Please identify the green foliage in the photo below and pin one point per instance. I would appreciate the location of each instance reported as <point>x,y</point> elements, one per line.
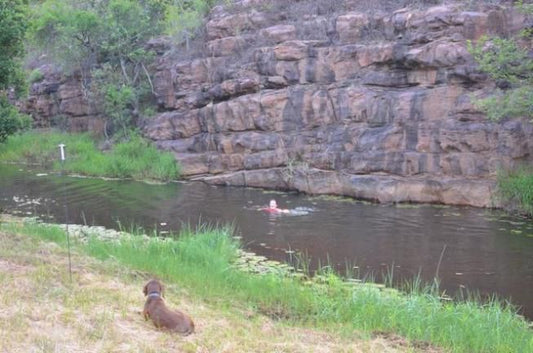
<point>183,18</point>
<point>511,67</point>
<point>516,102</point>
<point>104,40</point>
<point>503,59</point>
<point>525,8</point>
<point>11,120</point>
<point>13,24</point>
<point>516,189</point>
<point>135,158</point>
<point>117,104</point>
<point>203,262</point>
<point>35,76</point>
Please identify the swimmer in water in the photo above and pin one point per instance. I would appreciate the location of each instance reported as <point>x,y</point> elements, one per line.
<point>273,208</point>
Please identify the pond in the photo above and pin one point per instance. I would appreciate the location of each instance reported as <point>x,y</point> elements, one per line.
<point>483,251</point>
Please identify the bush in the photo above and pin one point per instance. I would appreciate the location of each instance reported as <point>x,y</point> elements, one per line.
<point>510,65</point>
<point>11,120</point>
<point>516,190</point>
<point>35,76</point>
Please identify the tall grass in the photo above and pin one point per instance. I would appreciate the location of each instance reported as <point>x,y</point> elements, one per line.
<point>135,158</point>
<point>516,189</point>
<point>202,262</point>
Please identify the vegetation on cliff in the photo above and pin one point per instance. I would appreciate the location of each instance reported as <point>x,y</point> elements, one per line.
<point>105,43</point>
<point>509,63</point>
<point>203,263</point>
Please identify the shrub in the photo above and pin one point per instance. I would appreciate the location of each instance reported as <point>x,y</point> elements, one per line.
<point>511,66</point>
<point>516,189</point>
<point>35,76</point>
<point>11,120</point>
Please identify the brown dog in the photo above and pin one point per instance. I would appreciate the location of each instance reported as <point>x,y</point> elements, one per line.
<point>164,318</point>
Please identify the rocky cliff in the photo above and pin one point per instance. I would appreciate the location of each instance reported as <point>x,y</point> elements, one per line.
<point>349,101</point>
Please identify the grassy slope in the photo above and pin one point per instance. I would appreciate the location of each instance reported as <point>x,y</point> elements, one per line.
<point>100,312</point>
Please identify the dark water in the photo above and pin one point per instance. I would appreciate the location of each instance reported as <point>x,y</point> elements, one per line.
<point>484,251</point>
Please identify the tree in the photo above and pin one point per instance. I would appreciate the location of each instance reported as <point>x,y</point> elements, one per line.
<point>12,31</point>
<point>13,26</point>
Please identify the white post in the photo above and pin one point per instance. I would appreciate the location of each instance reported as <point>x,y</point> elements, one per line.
<point>62,152</point>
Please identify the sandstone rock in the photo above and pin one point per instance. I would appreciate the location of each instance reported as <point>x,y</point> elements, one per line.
<point>174,125</point>
<point>279,33</point>
<point>226,46</point>
<point>291,51</point>
<point>438,54</point>
<point>230,25</point>
<point>351,26</point>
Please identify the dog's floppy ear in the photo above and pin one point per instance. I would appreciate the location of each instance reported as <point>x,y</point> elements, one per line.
<point>145,289</point>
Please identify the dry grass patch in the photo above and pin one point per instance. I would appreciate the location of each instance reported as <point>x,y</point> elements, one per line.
<point>100,311</point>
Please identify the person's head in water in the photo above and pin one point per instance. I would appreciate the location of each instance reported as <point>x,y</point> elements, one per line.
<point>273,208</point>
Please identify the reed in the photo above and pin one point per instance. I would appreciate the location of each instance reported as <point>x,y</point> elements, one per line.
<point>202,262</point>
<point>136,158</point>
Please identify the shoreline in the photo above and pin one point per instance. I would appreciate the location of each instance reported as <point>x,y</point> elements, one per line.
<point>204,265</point>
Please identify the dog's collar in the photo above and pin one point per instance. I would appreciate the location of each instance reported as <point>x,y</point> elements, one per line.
<point>154,294</point>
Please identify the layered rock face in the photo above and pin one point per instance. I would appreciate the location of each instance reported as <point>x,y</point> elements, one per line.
<point>368,104</point>
<point>61,100</point>
<point>371,106</point>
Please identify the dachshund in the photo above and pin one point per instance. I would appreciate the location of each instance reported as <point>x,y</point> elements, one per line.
<point>164,318</point>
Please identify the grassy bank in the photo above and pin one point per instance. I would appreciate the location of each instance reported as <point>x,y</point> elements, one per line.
<point>135,159</point>
<point>202,264</point>
<point>516,190</point>
<point>100,310</point>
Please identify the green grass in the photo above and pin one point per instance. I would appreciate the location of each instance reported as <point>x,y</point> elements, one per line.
<point>135,159</point>
<point>516,189</point>
<point>202,263</point>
